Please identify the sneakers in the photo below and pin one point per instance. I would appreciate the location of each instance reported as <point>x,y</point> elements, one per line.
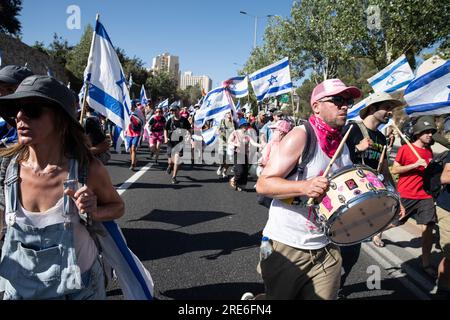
<point>224,175</point>
<point>174,180</point>
<point>219,171</point>
<point>248,296</point>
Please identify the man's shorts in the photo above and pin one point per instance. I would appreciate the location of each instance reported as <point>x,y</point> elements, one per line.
<point>155,137</point>
<point>444,230</point>
<point>421,210</point>
<point>175,147</point>
<point>132,141</point>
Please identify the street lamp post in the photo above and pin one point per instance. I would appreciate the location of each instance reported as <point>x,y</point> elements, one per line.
<point>256,23</point>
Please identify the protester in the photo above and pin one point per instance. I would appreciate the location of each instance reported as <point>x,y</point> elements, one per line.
<point>100,144</point>
<point>226,127</point>
<point>156,126</point>
<point>133,135</point>
<point>304,264</point>
<point>48,253</point>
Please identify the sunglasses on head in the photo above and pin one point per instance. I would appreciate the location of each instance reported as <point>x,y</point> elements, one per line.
<point>340,101</point>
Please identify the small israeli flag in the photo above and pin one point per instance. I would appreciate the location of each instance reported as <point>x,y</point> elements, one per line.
<point>272,80</point>
<point>143,96</point>
<point>237,86</point>
<point>164,104</point>
<point>429,94</point>
<point>394,77</point>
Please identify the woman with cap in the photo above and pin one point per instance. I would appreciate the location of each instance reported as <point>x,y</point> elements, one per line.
<point>240,140</point>
<point>54,187</point>
<point>279,130</point>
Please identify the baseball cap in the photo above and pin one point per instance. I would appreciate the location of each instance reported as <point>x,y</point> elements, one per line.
<point>262,113</point>
<point>14,74</point>
<point>242,122</point>
<point>376,98</point>
<point>424,123</point>
<point>39,88</point>
<point>174,107</point>
<point>278,113</point>
<point>282,125</point>
<point>332,87</point>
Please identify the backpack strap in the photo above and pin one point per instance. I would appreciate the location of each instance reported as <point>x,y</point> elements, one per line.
<point>11,185</point>
<point>365,134</point>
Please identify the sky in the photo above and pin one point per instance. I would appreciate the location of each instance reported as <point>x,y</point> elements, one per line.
<point>210,37</point>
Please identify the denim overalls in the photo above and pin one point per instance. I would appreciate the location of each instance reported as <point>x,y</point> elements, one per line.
<point>40,263</point>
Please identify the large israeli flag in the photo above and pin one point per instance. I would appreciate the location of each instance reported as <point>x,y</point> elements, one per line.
<point>237,86</point>
<point>429,94</point>
<point>214,107</point>
<point>394,77</point>
<point>143,96</point>
<point>108,92</point>
<point>272,80</point>
<point>164,104</point>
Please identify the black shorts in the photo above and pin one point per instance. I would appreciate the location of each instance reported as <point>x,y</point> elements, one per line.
<point>176,147</point>
<point>421,210</point>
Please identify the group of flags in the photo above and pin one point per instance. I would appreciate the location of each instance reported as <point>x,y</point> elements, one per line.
<point>426,94</point>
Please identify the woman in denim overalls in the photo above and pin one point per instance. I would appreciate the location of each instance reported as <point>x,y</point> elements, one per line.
<point>48,252</point>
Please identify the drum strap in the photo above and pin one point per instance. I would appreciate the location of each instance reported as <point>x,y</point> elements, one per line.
<point>364,132</point>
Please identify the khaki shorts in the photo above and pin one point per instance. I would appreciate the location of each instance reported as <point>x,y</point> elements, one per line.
<point>291,273</point>
<point>444,230</point>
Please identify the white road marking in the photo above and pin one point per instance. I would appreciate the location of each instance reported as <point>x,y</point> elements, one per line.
<point>124,186</point>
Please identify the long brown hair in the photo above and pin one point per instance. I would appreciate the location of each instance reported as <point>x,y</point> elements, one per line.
<point>75,143</point>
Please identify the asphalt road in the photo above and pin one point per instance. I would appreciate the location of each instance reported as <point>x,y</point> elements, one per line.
<point>200,239</point>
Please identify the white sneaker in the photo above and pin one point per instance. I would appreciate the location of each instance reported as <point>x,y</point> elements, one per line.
<point>219,171</point>
<point>248,296</point>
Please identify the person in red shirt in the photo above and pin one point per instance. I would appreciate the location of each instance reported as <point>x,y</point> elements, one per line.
<point>418,204</point>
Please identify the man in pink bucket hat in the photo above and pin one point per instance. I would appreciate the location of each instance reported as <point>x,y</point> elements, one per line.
<point>304,264</point>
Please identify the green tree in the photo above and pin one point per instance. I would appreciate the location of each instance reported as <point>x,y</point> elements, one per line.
<point>9,10</point>
<point>161,86</point>
<point>78,56</point>
<point>59,50</point>
<point>134,66</point>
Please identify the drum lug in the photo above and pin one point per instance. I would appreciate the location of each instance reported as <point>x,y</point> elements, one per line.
<point>360,173</point>
<point>380,177</point>
<point>370,186</point>
<point>333,185</point>
<point>341,198</point>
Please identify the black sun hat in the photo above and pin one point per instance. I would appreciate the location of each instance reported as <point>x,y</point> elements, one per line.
<point>14,74</point>
<point>39,88</point>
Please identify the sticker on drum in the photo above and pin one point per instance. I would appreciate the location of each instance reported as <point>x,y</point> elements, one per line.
<point>373,179</point>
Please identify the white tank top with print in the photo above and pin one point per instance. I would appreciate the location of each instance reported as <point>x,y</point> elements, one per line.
<point>296,226</point>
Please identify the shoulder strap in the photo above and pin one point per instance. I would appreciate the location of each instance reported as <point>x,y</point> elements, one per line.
<point>363,129</point>
<point>11,180</point>
<point>308,151</point>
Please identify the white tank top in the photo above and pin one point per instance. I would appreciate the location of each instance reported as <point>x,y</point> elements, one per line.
<point>85,248</point>
<point>296,226</point>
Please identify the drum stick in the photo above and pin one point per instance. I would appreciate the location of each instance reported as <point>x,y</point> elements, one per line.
<point>336,154</point>
<point>407,141</point>
<point>381,159</point>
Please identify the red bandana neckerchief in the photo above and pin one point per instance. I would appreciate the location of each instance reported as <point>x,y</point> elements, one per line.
<point>329,138</point>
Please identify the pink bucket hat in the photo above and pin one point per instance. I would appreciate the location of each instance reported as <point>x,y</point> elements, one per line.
<point>332,87</point>
<point>282,125</point>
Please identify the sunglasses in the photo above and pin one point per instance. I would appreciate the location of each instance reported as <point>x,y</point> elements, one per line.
<point>31,111</point>
<point>340,101</point>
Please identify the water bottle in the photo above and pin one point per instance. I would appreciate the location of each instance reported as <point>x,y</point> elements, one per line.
<point>265,248</point>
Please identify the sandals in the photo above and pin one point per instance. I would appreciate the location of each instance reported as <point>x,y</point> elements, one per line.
<point>376,240</point>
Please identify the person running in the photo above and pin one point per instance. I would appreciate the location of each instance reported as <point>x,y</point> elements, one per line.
<point>48,253</point>
<point>304,264</point>
<point>176,132</point>
<point>156,126</point>
<point>133,135</point>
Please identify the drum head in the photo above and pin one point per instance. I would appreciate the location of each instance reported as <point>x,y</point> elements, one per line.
<point>362,218</point>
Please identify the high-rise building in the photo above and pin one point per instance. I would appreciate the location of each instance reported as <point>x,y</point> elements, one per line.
<point>168,63</point>
<point>188,79</point>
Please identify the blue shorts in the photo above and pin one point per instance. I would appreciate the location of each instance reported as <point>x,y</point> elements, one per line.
<point>132,141</point>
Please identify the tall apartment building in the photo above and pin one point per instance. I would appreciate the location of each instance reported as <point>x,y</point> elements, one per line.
<point>188,79</point>
<point>168,63</point>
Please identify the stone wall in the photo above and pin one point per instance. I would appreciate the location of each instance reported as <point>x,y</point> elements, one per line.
<point>16,52</point>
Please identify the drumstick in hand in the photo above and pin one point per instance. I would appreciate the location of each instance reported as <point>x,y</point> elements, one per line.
<point>381,159</point>
<point>336,154</point>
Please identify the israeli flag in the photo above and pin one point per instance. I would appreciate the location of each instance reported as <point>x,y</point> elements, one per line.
<point>429,94</point>
<point>394,77</point>
<point>214,107</point>
<point>108,92</point>
<point>237,86</point>
<point>164,104</point>
<point>143,96</point>
<point>272,80</point>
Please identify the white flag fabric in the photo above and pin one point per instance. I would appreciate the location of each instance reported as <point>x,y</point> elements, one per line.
<point>164,104</point>
<point>353,114</point>
<point>108,93</point>
<point>272,80</point>
<point>394,77</point>
<point>143,95</point>
<point>214,107</point>
<point>429,94</point>
<point>237,86</point>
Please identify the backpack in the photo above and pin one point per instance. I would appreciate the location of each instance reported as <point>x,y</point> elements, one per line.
<point>432,175</point>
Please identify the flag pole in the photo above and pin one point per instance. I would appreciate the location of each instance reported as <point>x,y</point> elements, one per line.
<point>293,110</point>
<point>407,141</point>
<point>89,62</point>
